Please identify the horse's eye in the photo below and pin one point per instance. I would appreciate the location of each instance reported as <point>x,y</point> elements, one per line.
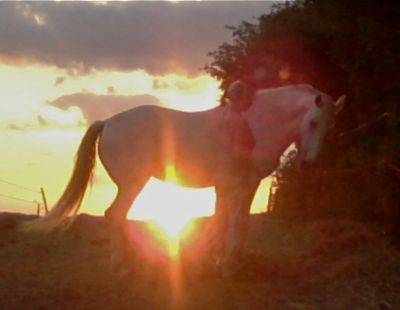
<point>313,124</point>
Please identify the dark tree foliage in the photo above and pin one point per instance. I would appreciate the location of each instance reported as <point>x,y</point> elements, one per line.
<point>339,47</point>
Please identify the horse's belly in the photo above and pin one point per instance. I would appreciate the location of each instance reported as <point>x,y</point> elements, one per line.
<point>192,183</point>
<point>186,174</point>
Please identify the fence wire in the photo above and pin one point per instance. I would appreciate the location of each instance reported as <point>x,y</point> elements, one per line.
<point>18,199</point>
<point>374,162</point>
<point>365,125</point>
<point>21,199</point>
<point>19,186</point>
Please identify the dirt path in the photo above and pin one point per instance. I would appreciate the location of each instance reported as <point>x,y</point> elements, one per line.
<point>320,265</point>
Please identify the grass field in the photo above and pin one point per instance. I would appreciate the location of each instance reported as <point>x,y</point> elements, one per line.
<point>324,264</point>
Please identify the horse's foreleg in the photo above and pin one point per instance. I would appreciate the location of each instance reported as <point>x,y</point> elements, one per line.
<point>116,218</point>
<point>238,202</point>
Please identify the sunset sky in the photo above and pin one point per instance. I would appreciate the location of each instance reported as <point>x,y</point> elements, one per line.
<point>65,64</point>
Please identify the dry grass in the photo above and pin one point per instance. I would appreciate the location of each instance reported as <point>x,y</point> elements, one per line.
<point>333,264</point>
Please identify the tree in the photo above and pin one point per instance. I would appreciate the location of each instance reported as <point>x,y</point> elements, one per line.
<point>340,47</point>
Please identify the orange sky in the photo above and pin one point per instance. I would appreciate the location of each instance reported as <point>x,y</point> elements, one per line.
<point>41,139</point>
<point>58,73</point>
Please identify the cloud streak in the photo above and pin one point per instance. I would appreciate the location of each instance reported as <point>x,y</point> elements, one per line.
<point>158,37</point>
<point>99,107</point>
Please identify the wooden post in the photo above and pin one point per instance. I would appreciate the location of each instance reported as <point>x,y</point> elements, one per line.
<point>37,208</point>
<point>44,200</point>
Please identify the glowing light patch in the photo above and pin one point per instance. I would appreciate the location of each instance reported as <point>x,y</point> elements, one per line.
<point>170,205</point>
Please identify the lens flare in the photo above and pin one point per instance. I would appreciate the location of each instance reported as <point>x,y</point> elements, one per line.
<point>170,222</point>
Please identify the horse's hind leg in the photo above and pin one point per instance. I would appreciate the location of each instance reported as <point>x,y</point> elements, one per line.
<point>116,218</point>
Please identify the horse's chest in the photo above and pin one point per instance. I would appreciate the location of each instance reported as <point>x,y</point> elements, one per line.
<point>265,167</point>
<point>265,158</point>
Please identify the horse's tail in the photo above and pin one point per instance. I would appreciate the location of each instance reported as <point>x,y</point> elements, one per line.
<point>70,201</point>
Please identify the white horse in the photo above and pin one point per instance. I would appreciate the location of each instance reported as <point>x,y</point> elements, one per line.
<point>142,142</point>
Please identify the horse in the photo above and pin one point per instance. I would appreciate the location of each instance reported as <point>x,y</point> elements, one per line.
<point>144,141</point>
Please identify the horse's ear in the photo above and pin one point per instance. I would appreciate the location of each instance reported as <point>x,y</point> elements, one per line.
<point>339,104</point>
<point>318,101</point>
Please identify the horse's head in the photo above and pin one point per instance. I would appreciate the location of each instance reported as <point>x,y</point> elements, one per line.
<point>240,95</point>
<point>319,119</point>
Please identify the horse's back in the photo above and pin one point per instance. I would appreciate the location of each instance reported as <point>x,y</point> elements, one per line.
<point>146,139</point>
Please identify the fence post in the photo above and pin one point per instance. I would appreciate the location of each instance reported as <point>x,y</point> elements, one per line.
<point>37,208</point>
<point>44,200</point>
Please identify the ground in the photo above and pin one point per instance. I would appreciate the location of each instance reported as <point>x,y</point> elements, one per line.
<point>323,264</point>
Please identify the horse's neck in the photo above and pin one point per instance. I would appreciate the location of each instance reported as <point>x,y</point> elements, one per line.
<point>275,120</point>
<point>281,109</point>
<point>285,102</point>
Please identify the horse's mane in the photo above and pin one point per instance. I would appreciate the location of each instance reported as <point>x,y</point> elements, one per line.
<point>303,86</point>
<point>301,89</point>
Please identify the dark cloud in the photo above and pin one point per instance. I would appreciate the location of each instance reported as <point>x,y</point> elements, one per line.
<point>157,84</point>
<point>111,90</point>
<point>99,107</point>
<point>182,86</point>
<point>59,80</point>
<point>156,36</point>
<point>42,121</point>
<point>18,127</point>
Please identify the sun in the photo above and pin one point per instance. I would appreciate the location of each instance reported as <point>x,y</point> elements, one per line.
<point>171,205</point>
